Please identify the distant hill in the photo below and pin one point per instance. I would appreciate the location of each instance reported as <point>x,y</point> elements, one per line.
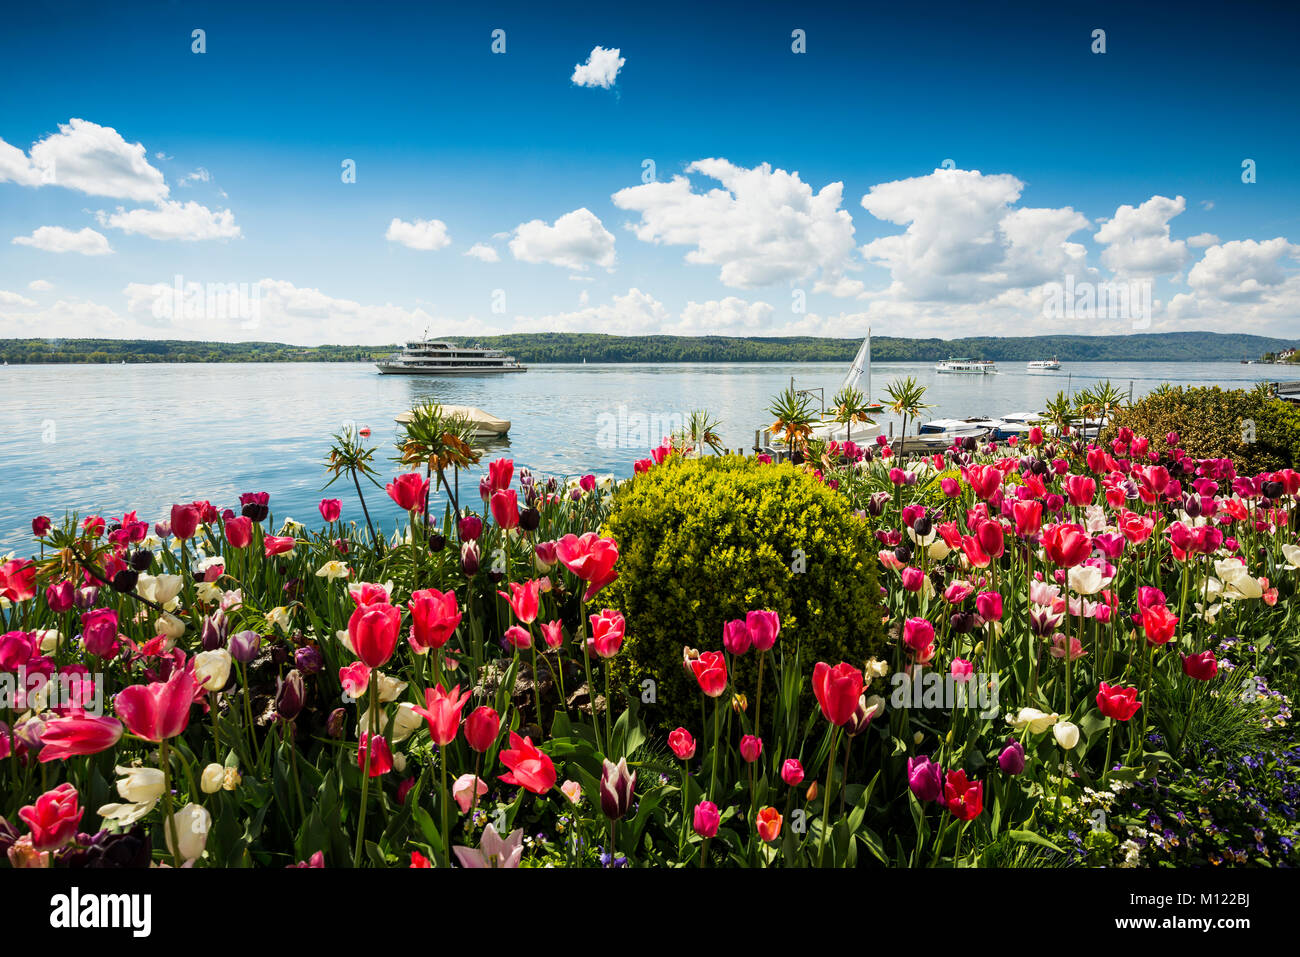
<point>593,347</point>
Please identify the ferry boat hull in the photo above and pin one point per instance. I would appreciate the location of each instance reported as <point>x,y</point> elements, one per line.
<point>438,357</point>
<point>387,368</point>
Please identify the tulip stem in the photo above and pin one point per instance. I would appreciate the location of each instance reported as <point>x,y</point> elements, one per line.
<point>371,699</point>
<point>713,763</point>
<point>446,831</point>
<point>826,798</point>
<point>164,754</point>
<point>1105,768</point>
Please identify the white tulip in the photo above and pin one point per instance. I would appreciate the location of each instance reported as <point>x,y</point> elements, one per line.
<point>192,823</point>
<point>1037,721</point>
<point>212,669</point>
<point>140,785</point>
<point>1086,579</point>
<point>169,626</point>
<point>1067,734</point>
<point>214,776</point>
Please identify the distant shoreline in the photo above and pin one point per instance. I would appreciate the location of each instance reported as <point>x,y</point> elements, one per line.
<point>576,348</point>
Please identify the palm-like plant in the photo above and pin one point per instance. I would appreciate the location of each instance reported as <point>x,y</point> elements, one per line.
<point>1060,413</point>
<point>1099,403</point>
<point>700,430</point>
<point>850,406</point>
<point>349,456</point>
<point>905,397</point>
<point>438,441</point>
<point>794,417</point>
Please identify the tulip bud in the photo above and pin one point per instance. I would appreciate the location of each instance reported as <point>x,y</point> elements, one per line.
<point>529,519</point>
<point>1012,758</point>
<point>212,635</point>
<point>85,598</point>
<point>437,542</point>
<point>811,794</point>
<point>334,726</point>
<point>125,580</point>
<point>214,776</point>
<point>739,703</point>
<point>290,695</point>
<point>191,824</point>
<point>1067,734</point>
<point>617,785</point>
<point>142,560</point>
<point>244,646</point>
<point>469,556</point>
<point>706,819</point>
<point>308,659</point>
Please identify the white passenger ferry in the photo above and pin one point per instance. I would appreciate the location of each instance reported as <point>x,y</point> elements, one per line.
<point>967,366</point>
<point>436,357</point>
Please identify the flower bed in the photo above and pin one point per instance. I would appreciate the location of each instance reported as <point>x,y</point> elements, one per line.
<point>1090,656</point>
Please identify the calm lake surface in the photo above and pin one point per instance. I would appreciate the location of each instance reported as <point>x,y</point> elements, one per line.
<point>107,439</point>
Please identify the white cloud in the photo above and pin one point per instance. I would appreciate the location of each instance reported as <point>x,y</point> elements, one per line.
<point>200,175</point>
<point>601,68</point>
<point>56,239</point>
<point>87,157</point>
<point>577,240</point>
<point>764,226</point>
<point>14,299</point>
<point>1201,240</point>
<point>1137,239</point>
<point>1242,270</point>
<point>965,241</point>
<point>173,220</point>
<point>425,234</point>
<point>636,313</point>
<point>483,253</point>
<point>40,285</point>
<point>65,319</point>
<point>731,316</point>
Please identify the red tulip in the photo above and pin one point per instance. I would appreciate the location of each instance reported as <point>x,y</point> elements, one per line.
<point>553,633</point>
<point>792,771</point>
<point>41,526</point>
<point>991,538</point>
<point>1159,624</point>
<point>185,520</point>
<point>735,637</point>
<point>442,711</point>
<point>769,824</point>
<point>591,558</point>
<point>99,632</point>
<point>1028,518</point>
<point>989,605</point>
<point>239,531</point>
<point>330,509</point>
<point>837,690</point>
<point>381,759</point>
<point>77,735</point>
<point>18,580</point>
<point>408,491</point>
<point>500,472</point>
<point>764,628</point>
<point>1067,544</point>
<point>1202,666</point>
<point>751,748</point>
<point>435,616</point>
<point>482,727</point>
<point>523,599</point>
<point>984,479</point>
<point>529,767</point>
<point>53,818</point>
<point>710,670</point>
<point>1116,702</point>
<point>505,508</point>
<point>965,799</point>
<point>606,633</point>
<point>682,744</point>
<point>519,638</point>
<point>373,631</point>
<point>159,710</point>
<point>1080,489</point>
<point>277,544</point>
<point>355,679</point>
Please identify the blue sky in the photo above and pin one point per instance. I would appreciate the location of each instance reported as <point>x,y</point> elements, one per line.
<point>128,159</point>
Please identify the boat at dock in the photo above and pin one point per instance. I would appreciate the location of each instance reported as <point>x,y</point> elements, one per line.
<point>437,357</point>
<point>964,366</point>
<point>486,425</point>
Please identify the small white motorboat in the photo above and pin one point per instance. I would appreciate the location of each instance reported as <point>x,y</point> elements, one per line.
<point>486,425</point>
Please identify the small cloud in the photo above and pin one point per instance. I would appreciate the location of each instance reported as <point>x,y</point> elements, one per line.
<point>483,253</point>
<point>160,155</point>
<point>426,234</point>
<point>601,68</point>
<point>1202,240</point>
<point>14,299</point>
<point>200,175</point>
<point>56,239</point>
<point>40,285</point>
<point>1207,204</point>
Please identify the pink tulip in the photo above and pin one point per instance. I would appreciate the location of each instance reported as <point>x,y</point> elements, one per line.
<point>373,631</point>
<point>159,710</point>
<point>78,735</point>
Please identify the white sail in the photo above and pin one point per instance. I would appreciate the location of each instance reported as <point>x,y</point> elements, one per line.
<point>861,366</point>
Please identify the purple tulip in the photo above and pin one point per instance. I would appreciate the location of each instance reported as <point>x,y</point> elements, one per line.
<point>1012,758</point>
<point>925,778</point>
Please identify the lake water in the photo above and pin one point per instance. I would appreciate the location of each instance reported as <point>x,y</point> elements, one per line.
<point>104,439</point>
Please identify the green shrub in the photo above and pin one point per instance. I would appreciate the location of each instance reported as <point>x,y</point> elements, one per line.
<point>703,541</point>
<point>1211,423</point>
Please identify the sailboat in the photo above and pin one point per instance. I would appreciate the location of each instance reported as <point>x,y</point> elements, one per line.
<point>858,377</point>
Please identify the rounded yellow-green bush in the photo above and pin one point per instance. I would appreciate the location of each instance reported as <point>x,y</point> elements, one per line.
<point>703,541</point>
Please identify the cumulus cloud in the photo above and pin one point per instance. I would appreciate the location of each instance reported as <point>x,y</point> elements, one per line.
<point>1242,270</point>
<point>601,68</point>
<point>1138,242</point>
<point>66,318</point>
<point>577,240</point>
<point>87,157</point>
<point>40,285</point>
<point>635,313</point>
<point>14,299</point>
<point>483,253</point>
<point>731,316</point>
<point>56,239</point>
<point>1201,240</point>
<point>171,220</point>
<point>763,226</point>
<point>426,234</point>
